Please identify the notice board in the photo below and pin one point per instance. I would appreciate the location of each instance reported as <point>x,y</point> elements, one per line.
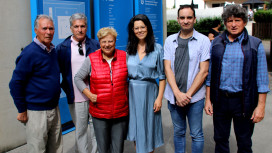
<point>154,11</point>
<point>116,14</point>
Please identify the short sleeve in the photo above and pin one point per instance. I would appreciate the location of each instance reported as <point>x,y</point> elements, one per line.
<point>167,50</point>
<point>205,54</point>
<point>160,67</point>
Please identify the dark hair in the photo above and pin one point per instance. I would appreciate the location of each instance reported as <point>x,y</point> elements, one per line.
<point>236,11</point>
<point>133,40</point>
<point>186,6</point>
<point>216,22</point>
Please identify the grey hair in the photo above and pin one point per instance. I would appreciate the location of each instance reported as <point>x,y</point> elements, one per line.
<point>77,16</point>
<point>236,11</point>
<point>44,16</point>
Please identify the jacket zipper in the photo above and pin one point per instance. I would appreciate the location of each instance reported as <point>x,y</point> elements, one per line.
<point>220,68</point>
<point>243,87</point>
<point>112,97</point>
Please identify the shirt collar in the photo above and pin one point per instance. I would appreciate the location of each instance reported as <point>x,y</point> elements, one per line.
<point>194,36</point>
<point>43,46</point>
<point>76,42</point>
<point>238,39</point>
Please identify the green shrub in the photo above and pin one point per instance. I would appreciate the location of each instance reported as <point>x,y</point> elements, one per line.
<point>263,16</point>
<point>172,26</point>
<point>268,4</point>
<point>203,25</point>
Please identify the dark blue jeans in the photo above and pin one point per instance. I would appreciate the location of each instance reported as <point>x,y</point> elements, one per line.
<point>194,114</point>
<point>226,110</point>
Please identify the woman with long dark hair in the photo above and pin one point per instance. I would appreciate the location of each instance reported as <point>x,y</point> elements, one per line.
<point>145,65</point>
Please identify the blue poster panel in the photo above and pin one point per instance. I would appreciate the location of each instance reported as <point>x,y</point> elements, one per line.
<point>116,14</point>
<point>153,10</point>
<point>60,11</point>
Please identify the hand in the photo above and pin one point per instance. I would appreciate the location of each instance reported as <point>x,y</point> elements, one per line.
<point>208,107</point>
<point>92,97</point>
<point>157,105</point>
<point>182,99</point>
<point>211,36</point>
<point>22,117</point>
<point>258,114</point>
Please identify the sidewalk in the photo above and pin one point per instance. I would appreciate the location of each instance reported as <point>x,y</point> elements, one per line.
<point>262,137</point>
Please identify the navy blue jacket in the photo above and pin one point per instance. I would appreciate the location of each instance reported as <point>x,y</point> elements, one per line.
<point>35,81</point>
<point>64,58</point>
<point>249,47</point>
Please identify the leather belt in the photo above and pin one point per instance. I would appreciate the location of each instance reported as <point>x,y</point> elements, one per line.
<point>230,94</point>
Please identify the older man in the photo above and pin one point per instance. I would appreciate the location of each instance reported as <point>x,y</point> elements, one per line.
<point>237,83</point>
<point>186,63</point>
<point>71,54</point>
<point>35,89</point>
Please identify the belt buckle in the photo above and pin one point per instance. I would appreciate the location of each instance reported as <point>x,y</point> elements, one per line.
<point>227,94</point>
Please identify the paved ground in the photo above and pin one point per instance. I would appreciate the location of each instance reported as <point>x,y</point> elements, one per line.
<point>262,137</point>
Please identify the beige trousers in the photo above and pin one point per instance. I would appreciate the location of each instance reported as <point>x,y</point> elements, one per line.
<point>43,131</point>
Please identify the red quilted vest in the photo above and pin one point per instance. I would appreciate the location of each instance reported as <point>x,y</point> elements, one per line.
<point>112,100</point>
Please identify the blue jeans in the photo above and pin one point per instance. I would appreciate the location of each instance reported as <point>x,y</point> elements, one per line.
<point>194,113</point>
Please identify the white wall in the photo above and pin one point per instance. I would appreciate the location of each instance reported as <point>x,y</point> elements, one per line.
<point>15,33</point>
<point>200,13</point>
<point>199,2</point>
<point>170,3</point>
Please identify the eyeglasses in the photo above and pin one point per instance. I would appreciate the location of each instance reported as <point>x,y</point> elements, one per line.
<point>80,49</point>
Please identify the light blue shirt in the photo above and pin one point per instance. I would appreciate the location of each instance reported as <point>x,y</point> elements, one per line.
<point>199,51</point>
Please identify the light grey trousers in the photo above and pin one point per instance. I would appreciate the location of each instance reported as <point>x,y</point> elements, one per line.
<point>80,115</point>
<point>43,131</point>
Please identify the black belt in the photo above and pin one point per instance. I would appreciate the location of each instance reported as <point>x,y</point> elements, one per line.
<point>230,94</point>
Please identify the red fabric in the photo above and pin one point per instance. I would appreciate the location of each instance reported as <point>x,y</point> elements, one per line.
<point>112,101</point>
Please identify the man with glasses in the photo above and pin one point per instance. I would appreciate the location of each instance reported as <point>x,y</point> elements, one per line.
<point>71,54</point>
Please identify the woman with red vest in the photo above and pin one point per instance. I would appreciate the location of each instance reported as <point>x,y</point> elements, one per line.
<point>145,65</point>
<point>107,70</point>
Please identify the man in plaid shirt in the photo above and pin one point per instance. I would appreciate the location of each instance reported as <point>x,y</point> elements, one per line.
<point>237,83</point>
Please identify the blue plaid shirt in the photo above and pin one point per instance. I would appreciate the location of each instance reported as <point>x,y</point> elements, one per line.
<point>232,68</point>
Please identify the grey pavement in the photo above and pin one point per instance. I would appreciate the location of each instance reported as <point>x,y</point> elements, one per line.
<point>262,137</point>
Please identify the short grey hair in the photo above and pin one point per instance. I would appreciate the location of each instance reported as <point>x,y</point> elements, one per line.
<point>77,16</point>
<point>236,11</point>
<point>41,16</point>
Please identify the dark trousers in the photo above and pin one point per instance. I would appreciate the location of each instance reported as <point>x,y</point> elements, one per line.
<point>110,134</point>
<point>227,109</point>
